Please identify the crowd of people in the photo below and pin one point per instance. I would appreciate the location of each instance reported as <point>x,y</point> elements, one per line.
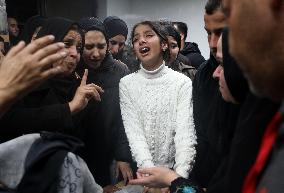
<point>80,110</point>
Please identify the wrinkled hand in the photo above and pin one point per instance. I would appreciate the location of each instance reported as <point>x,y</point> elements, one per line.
<point>25,67</point>
<point>83,94</point>
<point>125,170</point>
<point>155,177</point>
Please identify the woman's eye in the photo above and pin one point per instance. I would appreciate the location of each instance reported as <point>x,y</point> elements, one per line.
<point>173,46</point>
<point>88,47</point>
<point>101,46</point>
<point>67,44</point>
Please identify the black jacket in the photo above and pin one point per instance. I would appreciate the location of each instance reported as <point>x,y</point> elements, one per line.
<point>44,109</point>
<point>214,121</point>
<point>105,138</point>
<point>192,52</point>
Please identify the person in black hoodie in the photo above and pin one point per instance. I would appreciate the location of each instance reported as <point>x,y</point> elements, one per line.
<point>105,137</point>
<point>52,105</point>
<point>189,49</point>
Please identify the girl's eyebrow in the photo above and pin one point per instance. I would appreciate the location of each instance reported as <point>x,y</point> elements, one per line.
<point>144,32</point>
<point>148,31</point>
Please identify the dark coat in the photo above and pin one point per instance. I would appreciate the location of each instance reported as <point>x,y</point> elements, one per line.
<point>192,52</point>
<point>214,121</point>
<point>105,137</point>
<point>271,176</point>
<point>254,116</point>
<point>44,109</point>
<point>127,56</point>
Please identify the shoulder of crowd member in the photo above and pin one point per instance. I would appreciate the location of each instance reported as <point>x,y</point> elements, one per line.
<point>129,58</point>
<point>189,71</point>
<point>117,65</point>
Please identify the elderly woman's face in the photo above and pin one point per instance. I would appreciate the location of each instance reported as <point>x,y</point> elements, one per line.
<point>73,45</point>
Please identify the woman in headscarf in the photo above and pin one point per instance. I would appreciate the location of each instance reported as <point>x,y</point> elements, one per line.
<point>52,106</point>
<point>105,116</point>
<point>46,163</point>
<point>31,28</point>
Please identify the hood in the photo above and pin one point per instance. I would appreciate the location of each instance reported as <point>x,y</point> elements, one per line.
<point>235,79</point>
<point>190,47</point>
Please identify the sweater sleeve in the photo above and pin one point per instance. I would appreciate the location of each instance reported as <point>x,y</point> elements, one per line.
<point>185,137</point>
<point>133,129</point>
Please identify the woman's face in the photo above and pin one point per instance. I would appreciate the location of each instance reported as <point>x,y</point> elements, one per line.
<point>148,47</point>
<point>174,49</point>
<point>95,49</point>
<point>73,45</point>
<point>219,74</point>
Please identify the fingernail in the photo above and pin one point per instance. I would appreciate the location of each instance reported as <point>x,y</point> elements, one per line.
<point>60,44</point>
<point>59,68</point>
<point>63,54</point>
<point>22,42</point>
<point>51,37</point>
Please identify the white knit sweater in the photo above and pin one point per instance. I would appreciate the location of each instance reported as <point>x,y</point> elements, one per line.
<point>156,109</point>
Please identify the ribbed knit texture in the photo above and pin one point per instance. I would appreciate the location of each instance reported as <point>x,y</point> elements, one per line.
<point>156,109</point>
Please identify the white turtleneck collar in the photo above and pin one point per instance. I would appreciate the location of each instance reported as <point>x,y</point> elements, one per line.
<point>153,73</point>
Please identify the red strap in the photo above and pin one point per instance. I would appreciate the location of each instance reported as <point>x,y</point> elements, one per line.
<point>267,143</point>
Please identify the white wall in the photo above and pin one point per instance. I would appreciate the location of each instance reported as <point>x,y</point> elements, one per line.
<point>188,11</point>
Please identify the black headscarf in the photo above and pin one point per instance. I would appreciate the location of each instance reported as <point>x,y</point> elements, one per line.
<point>90,24</point>
<point>235,79</point>
<point>56,26</point>
<point>64,87</point>
<point>30,27</point>
<point>115,26</point>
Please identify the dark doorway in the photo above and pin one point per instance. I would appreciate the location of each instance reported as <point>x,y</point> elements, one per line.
<point>21,10</point>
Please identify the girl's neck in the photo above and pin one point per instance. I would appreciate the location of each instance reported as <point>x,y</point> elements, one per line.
<point>152,67</point>
<point>152,74</point>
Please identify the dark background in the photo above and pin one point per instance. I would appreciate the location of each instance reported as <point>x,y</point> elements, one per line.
<point>72,9</point>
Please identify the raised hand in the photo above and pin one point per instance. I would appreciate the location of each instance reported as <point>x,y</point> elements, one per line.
<point>84,93</point>
<point>25,67</point>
